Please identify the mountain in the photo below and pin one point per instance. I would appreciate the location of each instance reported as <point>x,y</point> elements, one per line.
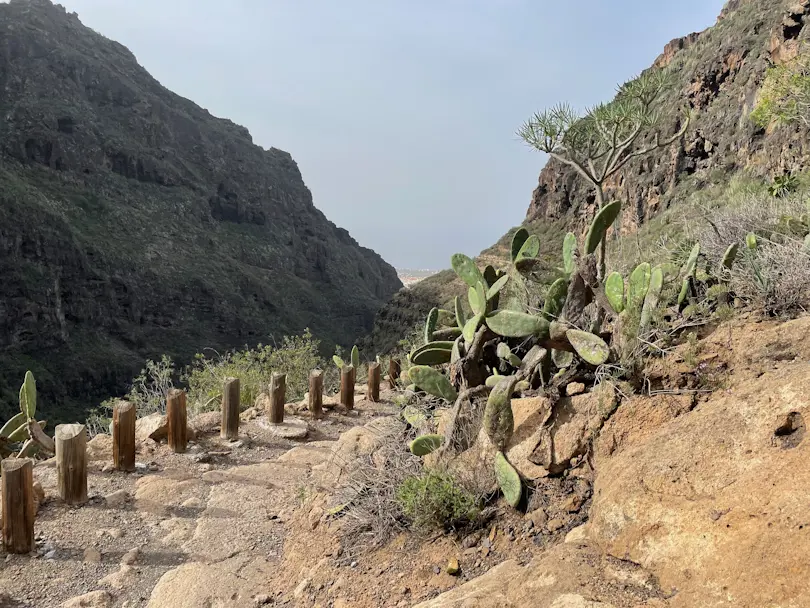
<point>134,223</point>
<point>717,74</point>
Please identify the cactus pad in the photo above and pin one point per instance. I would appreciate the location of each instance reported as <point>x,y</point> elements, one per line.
<point>355,357</point>
<point>466,269</point>
<point>751,241</point>
<point>599,227</point>
<point>508,480</point>
<point>691,263</point>
<point>684,291</point>
<point>653,295</point>
<point>460,318</point>
<point>517,242</point>
<point>471,327</point>
<point>424,445</point>
<point>13,424</point>
<point>499,422</point>
<point>513,324</point>
<point>570,253</point>
<point>562,358</point>
<point>497,287</point>
<point>638,285</point>
<point>555,299</point>
<point>529,250</point>
<point>432,356</point>
<point>430,327</point>
<point>730,256</point>
<point>614,291</point>
<point>433,382</point>
<point>413,416</point>
<point>28,396</point>
<point>590,347</point>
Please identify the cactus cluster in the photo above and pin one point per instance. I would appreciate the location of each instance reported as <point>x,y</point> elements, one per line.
<point>22,435</point>
<point>499,343</point>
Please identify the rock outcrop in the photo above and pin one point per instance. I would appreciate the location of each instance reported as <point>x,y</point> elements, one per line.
<point>718,73</point>
<point>134,223</point>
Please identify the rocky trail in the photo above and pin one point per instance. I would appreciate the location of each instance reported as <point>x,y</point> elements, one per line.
<point>696,495</point>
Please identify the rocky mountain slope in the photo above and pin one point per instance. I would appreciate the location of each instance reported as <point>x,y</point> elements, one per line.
<point>134,223</point>
<point>718,74</point>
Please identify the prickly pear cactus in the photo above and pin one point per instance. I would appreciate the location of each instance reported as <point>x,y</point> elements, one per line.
<point>730,255</point>
<point>424,445</point>
<point>513,324</point>
<point>518,240</point>
<point>638,285</point>
<point>751,241</point>
<point>530,249</point>
<point>691,263</point>
<point>569,253</point>
<point>555,299</point>
<point>653,296</point>
<point>466,269</point>
<point>28,396</point>
<point>599,227</point>
<point>590,347</point>
<point>355,357</point>
<point>461,320</point>
<point>430,325</point>
<point>497,287</point>
<point>499,422</point>
<point>508,480</point>
<point>433,382</point>
<point>614,290</point>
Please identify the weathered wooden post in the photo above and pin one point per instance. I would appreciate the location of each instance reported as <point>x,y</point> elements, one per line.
<point>18,505</point>
<point>177,420</point>
<point>347,386</point>
<point>230,409</point>
<point>394,369</point>
<point>316,393</point>
<point>374,382</point>
<point>278,394</point>
<point>71,463</point>
<point>123,431</point>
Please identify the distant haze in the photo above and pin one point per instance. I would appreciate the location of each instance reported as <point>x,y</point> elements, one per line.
<point>400,113</point>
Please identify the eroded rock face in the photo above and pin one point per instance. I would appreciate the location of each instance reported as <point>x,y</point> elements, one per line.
<point>134,223</point>
<point>718,72</point>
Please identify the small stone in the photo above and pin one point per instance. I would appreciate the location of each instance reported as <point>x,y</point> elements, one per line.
<point>353,565</point>
<point>261,600</point>
<point>340,603</point>
<point>301,588</point>
<point>108,468</point>
<point>486,543</point>
<point>201,458</point>
<point>125,577</point>
<point>577,535</point>
<point>117,498</point>
<point>555,524</point>
<point>574,388</point>
<point>94,599</point>
<point>538,518</point>
<point>573,503</point>
<point>130,557</point>
<point>453,568</point>
<point>92,556</point>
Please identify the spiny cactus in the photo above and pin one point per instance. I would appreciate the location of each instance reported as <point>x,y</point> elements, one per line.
<point>555,299</point>
<point>508,480</point>
<point>24,427</point>
<point>652,297</point>
<point>513,324</point>
<point>530,249</point>
<point>355,357</point>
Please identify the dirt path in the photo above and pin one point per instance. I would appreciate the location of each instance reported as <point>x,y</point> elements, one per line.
<point>198,529</point>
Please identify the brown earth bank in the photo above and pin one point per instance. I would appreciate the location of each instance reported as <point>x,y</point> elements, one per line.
<point>695,495</point>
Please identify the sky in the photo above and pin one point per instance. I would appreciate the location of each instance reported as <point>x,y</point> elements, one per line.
<point>401,114</point>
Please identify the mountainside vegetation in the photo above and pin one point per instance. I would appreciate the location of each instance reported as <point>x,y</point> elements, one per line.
<point>134,224</point>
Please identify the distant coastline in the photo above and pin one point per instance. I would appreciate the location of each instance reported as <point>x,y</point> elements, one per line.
<point>411,276</point>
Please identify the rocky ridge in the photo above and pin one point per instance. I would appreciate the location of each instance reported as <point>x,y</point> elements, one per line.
<point>134,223</point>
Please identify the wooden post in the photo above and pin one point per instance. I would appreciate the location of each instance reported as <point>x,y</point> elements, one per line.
<point>394,368</point>
<point>374,382</point>
<point>18,505</point>
<point>230,409</point>
<point>316,393</point>
<point>278,394</point>
<point>123,432</point>
<point>71,463</point>
<point>177,420</point>
<point>347,386</point>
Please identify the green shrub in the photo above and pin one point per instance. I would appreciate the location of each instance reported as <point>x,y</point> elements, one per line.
<point>296,356</point>
<point>436,500</point>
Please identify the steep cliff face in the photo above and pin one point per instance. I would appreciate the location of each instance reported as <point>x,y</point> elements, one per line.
<point>133,223</point>
<point>718,75</point>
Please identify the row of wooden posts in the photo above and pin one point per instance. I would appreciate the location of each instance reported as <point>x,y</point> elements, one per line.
<point>71,444</point>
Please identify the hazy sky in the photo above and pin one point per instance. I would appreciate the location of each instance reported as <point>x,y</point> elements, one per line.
<point>401,114</point>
